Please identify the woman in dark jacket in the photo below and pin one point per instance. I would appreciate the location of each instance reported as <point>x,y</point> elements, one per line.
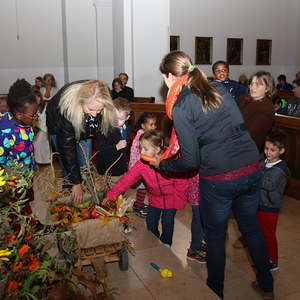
<point>211,135</point>
<point>257,108</point>
<point>74,114</point>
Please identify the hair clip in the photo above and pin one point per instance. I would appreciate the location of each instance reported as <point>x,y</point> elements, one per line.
<point>191,68</point>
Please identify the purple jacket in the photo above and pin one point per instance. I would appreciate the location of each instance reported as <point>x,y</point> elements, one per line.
<point>163,190</point>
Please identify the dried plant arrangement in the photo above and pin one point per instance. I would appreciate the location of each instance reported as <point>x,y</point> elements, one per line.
<point>27,270</point>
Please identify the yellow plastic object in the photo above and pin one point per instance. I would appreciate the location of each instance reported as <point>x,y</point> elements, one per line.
<point>165,273</point>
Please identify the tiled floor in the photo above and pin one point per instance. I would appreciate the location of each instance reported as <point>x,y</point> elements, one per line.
<point>142,282</point>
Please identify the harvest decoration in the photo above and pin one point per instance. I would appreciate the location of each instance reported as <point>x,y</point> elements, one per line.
<point>65,214</point>
<point>27,270</point>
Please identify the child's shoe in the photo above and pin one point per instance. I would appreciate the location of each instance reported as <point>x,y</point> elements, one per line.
<point>198,256</point>
<point>273,266</point>
<point>141,212</point>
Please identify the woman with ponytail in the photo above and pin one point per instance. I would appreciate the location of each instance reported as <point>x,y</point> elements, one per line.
<point>211,134</point>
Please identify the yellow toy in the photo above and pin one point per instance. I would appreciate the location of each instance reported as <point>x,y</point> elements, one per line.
<point>164,273</point>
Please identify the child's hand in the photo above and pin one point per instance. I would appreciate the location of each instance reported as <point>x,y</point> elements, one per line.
<point>121,144</point>
<point>155,164</point>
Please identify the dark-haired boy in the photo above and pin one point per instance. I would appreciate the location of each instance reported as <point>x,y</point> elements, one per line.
<point>275,176</point>
<point>221,74</point>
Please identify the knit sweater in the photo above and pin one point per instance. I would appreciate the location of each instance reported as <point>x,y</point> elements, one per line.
<point>258,116</point>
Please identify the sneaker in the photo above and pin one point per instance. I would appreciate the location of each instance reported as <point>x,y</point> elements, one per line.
<point>273,266</point>
<point>203,246</point>
<point>141,212</point>
<point>265,295</point>
<point>127,228</point>
<point>198,256</point>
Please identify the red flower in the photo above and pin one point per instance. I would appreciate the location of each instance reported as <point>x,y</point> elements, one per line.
<point>11,238</point>
<point>34,264</point>
<point>12,286</point>
<point>17,266</point>
<point>23,250</point>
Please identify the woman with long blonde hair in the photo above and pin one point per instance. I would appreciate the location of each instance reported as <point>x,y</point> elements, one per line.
<point>212,136</point>
<point>74,114</point>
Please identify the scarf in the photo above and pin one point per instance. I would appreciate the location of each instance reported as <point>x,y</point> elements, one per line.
<point>173,94</point>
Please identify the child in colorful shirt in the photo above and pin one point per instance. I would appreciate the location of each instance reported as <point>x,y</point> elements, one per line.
<point>16,134</point>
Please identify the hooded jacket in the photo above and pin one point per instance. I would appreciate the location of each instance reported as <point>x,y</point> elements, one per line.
<point>163,190</point>
<point>273,186</point>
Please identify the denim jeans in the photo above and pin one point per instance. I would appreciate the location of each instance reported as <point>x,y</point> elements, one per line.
<point>167,223</point>
<point>84,151</point>
<point>197,227</point>
<point>241,196</point>
<point>86,146</point>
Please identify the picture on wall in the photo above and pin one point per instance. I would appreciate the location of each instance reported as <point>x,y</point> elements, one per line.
<point>174,42</point>
<point>234,51</point>
<point>203,50</point>
<point>263,52</point>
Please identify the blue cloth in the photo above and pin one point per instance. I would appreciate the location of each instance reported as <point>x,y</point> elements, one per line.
<point>285,87</point>
<point>16,142</point>
<point>241,196</point>
<point>87,148</point>
<point>197,228</point>
<point>167,223</point>
<point>236,89</point>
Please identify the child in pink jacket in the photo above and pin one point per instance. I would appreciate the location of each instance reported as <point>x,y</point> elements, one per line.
<point>147,121</point>
<point>166,193</point>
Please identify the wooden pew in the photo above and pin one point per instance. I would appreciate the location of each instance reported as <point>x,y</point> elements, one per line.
<point>291,127</point>
<point>163,122</point>
<point>285,94</point>
<point>144,99</point>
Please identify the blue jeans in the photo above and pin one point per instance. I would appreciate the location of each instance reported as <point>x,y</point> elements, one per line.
<point>86,147</point>
<point>241,196</point>
<point>167,223</point>
<point>197,228</point>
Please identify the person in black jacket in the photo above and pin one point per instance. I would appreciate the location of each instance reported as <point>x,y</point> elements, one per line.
<point>112,147</point>
<point>118,91</point>
<point>212,136</point>
<point>75,113</point>
<point>124,78</point>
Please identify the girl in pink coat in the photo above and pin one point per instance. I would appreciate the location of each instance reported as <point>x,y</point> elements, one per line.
<point>166,193</point>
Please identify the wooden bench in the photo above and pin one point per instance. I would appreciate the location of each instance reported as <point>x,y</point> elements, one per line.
<point>291,127</point>
<point>144,99</point>
<point>163,122</point>
<point>285,94</point>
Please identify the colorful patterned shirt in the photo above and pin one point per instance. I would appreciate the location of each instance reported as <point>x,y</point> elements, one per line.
<point>16,141</point>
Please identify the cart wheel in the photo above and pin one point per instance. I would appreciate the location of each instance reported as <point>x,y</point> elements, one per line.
<point>123,262</point>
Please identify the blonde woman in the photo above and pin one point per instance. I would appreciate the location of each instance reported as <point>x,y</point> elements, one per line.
<point>74,114</point>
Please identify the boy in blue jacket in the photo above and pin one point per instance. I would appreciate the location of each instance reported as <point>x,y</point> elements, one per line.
<point>275,176</point>
<point>221,74</point>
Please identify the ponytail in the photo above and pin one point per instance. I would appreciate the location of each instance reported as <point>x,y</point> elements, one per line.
<point>179,63</point>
